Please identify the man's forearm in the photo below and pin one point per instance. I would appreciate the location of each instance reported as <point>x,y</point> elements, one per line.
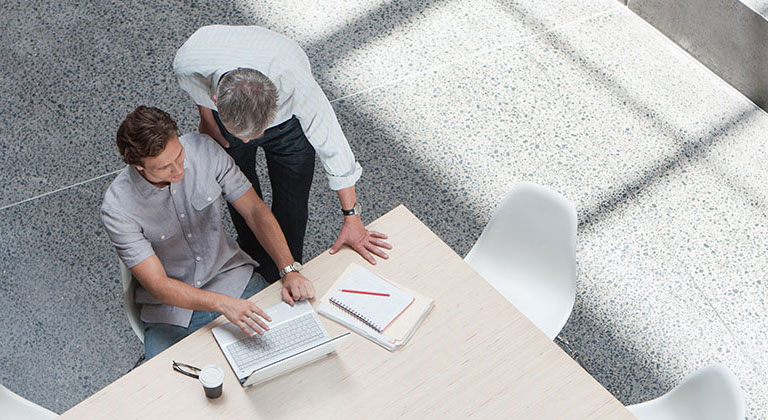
<point>176,293</point>
<point>347,197</point>
<point>152,276</point>
<point>209,126</point>
<point>266,229</point>
<point>243,313</point>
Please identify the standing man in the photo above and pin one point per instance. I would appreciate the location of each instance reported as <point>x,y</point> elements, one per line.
<point>162,214</point>
<point>254,88</point>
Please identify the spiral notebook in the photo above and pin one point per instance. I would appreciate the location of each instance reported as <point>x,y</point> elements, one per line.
<point>370,299</point>
<point>398,331</point>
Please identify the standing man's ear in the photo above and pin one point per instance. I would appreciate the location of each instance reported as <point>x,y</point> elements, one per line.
<point>214,99</point>
<point>139,168</point>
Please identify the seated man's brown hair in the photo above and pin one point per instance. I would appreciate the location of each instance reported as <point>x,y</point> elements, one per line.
<point>144,133</point>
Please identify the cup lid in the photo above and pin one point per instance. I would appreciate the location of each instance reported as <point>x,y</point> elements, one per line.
<point>211,376</point>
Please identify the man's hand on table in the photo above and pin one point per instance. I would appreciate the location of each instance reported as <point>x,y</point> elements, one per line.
<point>245,314</point>
<point>296,287</point>
<point>363,241</point>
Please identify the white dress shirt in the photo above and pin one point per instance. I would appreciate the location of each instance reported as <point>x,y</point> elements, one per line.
<point>214,50</point>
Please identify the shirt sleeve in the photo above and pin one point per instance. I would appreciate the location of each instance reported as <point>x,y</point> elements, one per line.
<point>320,125</point>
<point>196,87</point>
<point>231,179</point>
<point>126,236</point>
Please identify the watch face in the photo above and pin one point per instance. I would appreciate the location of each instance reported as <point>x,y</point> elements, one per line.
<point>353,211</point>
<point>296,265</point>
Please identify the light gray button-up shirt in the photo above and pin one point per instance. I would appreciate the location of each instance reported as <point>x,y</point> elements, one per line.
<point>214,50</point>
<point>181,224</point>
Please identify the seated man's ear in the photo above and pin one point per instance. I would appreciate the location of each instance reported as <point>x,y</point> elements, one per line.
<point>139,166</point>
<point>215,98</point>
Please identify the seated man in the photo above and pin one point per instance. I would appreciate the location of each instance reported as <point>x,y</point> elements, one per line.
<point>163,215</point>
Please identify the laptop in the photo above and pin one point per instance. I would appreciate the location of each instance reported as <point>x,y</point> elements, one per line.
<point>296,337</point>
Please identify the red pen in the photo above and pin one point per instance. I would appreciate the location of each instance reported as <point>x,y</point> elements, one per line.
<point>365,293</point>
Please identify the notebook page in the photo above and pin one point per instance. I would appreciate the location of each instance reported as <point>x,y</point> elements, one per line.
<point>376,311</point>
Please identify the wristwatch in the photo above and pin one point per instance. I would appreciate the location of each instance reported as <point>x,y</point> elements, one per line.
<point>295,266</point>
<point>357,210</point>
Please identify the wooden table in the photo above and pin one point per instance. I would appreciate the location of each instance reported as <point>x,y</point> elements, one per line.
<point>475,356</point>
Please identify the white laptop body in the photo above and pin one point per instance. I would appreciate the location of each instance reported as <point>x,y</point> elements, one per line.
<point>296,338</point>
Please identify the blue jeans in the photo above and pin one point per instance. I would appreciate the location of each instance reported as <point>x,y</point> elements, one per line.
<point>159,336</point>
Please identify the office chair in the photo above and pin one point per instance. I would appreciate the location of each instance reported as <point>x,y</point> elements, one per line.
<point>129,289</point>
<point>528,253</point>
<point>15,407</point>
<point>711,393</point>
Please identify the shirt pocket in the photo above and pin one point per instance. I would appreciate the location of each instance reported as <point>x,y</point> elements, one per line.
<point>206,196</point>
<point>160,235</point>
<point>166,243</point>
<point>162,239</point>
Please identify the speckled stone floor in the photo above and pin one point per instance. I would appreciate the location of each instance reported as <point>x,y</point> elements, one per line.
<point>447,104</point>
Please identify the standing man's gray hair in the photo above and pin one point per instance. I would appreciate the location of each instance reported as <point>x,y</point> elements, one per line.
<point>247,102</point>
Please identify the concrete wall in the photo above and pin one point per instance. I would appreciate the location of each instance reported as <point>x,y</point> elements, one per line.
<point>728,36</point>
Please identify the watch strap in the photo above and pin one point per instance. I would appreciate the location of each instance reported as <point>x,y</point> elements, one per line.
<point>353,211</point>
<point>295,266</point>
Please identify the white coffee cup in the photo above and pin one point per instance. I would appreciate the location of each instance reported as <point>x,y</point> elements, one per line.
<point>212,379</point>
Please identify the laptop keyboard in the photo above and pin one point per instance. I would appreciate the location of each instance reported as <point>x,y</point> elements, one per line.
<point>281,339</point>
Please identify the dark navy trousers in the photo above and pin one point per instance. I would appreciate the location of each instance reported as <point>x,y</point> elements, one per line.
<point>290,166</point>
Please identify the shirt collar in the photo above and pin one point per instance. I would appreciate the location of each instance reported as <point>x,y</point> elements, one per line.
<point>145,187</point>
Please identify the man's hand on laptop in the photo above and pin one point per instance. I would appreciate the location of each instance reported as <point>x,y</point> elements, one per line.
<point>245,314</point>
<point>296,287</point>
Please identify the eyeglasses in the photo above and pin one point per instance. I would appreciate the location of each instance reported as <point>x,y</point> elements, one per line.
<point>177,366</point>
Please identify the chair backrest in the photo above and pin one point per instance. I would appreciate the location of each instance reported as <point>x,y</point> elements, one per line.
<point>528,253</point>
<point>710,393</point>
<point>129,291</point>
<point>14,407</point>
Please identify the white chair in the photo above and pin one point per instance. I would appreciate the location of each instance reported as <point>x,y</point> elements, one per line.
<point>129,290</point>
<point>14,407</point>
<point>528,253</point>
<point>711,393</point>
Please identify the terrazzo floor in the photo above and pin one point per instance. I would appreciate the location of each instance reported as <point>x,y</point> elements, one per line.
<point>447,105</point>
